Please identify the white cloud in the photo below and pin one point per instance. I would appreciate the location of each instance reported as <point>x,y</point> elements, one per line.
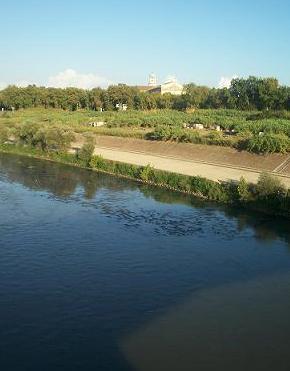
<point>23,83</point>
<point>72,78</point>
<point>20,84</point>
<point>67,78</point>
<point>225,82</point>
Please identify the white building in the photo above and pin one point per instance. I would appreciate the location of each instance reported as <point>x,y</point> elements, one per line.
<point>171,86</point>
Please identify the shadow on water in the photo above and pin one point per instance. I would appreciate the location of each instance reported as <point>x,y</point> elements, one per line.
<point>166,300</point>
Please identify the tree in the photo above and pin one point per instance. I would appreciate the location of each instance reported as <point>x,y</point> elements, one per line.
<point>122,94</point>
<point>164,101</point>
<point>238,91</point>
<point>95,101</point>
<point>195,96</point>
<point>244,94</point>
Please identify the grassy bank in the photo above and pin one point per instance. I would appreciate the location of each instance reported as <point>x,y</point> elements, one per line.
<point>268,195</point>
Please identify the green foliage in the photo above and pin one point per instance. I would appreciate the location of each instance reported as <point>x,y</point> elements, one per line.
<point>269,186</point>
<point>262,115</point>
<point>27,132</point>
<point>124,169</point>
<point>172,133</point>
<point>218,139</point>
<point>146,173</point>
<point>166,132</point>
<point>98,162</point>
<point>86,152</point>
<point>46,137</point>
<point>268,143</point>
<point>239,129</point>
<point>53,139</point>
<point>243,190</point>
<point>209,189</point>
<point>244,94</point>
<point>4,134</point>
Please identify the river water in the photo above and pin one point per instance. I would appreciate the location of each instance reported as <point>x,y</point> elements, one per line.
<point>99,273</point>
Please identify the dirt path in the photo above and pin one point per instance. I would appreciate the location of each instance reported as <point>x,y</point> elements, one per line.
<point>195,152</point>
<point>187,167</point>
<point>212,162</point>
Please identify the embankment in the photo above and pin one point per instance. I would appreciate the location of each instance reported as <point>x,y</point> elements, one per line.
<point>226,192</point>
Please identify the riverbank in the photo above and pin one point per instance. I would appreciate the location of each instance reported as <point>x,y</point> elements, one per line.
<point>240,193</point>
<point>209,170</point>
<point>209,154</point>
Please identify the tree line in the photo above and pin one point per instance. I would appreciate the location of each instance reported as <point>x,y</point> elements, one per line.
<point>244,94</point>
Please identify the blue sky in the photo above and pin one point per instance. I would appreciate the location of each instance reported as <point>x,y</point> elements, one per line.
<point>90,42</point>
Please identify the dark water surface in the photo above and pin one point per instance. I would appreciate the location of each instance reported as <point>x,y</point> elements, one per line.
<point>98,273</point>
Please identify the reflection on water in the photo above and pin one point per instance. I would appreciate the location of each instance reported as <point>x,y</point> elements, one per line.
<point>70,184</point>
<point>99,273</point>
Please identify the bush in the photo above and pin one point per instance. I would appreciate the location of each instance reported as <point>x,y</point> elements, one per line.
<point>209,189</point>
<point>268,143</point>
<point>244,193</point>
<point>98,162</point>
<point>268,115</point>
<point>145,173</point>
<point>26,133</point>
<point>164,132</point>
<point>127,170</point>
<point>269,185</point>
<point>217,138</point>
<point>53,139</point>
<point>4,134</point>
<point>191,136</point>
<point>86,152</point>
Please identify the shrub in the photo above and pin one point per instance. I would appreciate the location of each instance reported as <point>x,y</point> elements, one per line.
<point>26,133</point>
<point>4,134</point>
<point>267,115</point>
<point>217,138</point>
<point>244,193</point>
<point>163,132</point>
<point>98,162</point>
<point>191,136</point>
<point>53,139</point>
<point>86,152</point>
<point>209,189</point>
<point>146,173</point>
<point>269,185</point>
<point>159,177</point>
<point>127,170</point>
<point>268,143</point>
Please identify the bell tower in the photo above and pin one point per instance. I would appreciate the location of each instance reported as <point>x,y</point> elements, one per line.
<point>152,80</point>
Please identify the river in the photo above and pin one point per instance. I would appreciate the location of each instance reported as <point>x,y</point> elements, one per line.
<point>100,273</point>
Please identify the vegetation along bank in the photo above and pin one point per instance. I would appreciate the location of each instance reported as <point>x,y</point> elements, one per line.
<point>268,195</point>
